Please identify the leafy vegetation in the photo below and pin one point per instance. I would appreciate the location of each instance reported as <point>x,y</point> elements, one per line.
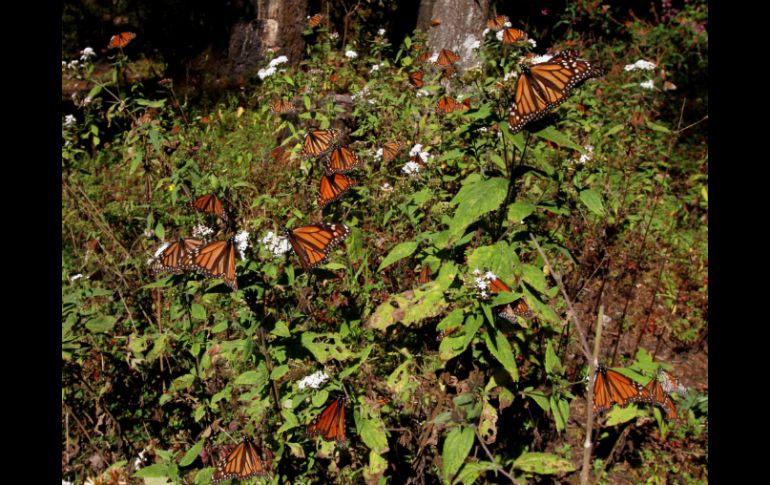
<point>612,186</point>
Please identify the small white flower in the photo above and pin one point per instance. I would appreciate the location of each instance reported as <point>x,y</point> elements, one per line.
<point>67,143</point>
<point>386,187</point>
<point>148,233</point>
<point>640,64</point>
<point>381,32</point>
<point>483,129</point>
<point>72,64</point>
<point>584,157</point>
<point>411,168</point>
<point>490,276</point>
<point>422,92</point>
<point>647,84</point>
<point>606,319</point>
<point>378,155</point>
<point>532,42</point>
<point>350,54</point>
<point>76,277</point>
<point>539,59</point>
<point>510,75</point>
<point>139,460</point>
<point>63,64</point>
<point>161,249</point>
<point>375,68</point>
<point>242,243</point>
<point>87,100</point>
<point>499,35</point>
<point>263,73</point>
<point>433,58</point>
<point>277,245</point>
<point>69,120</point>
<point>202,231</point>
<point>417,148</point>
<point>313,381</point>
<point>485,32</point>
<point>86,53</point>
<point>278,60</point>
<point>65,482</point>
<point>334,35</point>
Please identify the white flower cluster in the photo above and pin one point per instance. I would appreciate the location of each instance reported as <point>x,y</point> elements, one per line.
<point>361,95</point>
<point>417,150</point>
<point>76,277</point>
<point>649,84</point>
<point>277,245</point>
<point>375,68</point>
<point>588,155</point>
<point>271,67</point>
<point>313,381</point>
<point>87,53</point>
<point>386,187</point>
<point>640,64</point>
<point>378,155</point>
<point>334,35</point>
<point>202,231</point>
<point>242,243</point>
<point>411,168</point>
<point>70,120</point>
<point>482,280</point>
<point>532,42</point>
<point>510,75</point>
<point>422,92</point>
<point>263,73</point>
<point>351,54</point>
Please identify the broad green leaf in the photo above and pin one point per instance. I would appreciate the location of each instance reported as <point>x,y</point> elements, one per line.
<point>281,329</point>
<point>279,372</point>
<point>593,200</point>
<point>499,258</point>
<point>539,397</point>
<point>618,415</point>
<point>373,435</point>
<point>471,471</point>
<point>399,252</point>
<point>543,464</point>
<point>453,320</point>
<point>324,351</point>
<point>160,231</point>
<point>159,470</point>
<point>534,277</point>
<point>376,468</point>
<point>192,453</point>
<point>560,410</point>
<point>101,323</point>
<point>518,211</point>
<point>552,134</point>
<point>657,127</point>
<point>197,311</point>
<point>615,129</point>
<point>319,398</point>
<point>151,103</point>
<point>451,347</point>
<point>353,368</point>
<point>552,363</point>
<point>501,350</point>
<point>457,445</point>
<point>473,201</point>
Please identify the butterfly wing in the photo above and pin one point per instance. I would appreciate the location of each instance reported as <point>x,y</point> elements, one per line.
<point>209,204</point>
<point>175,258</point>
<point>612,387</point>
<point>415,79</point>
<point>318,142</point>
<point>341,160</point>
<point>654,393</point>
<point>333,187</point>
<point>241,463</point>
<point>330,424</point>
<point>511,36</point>
<point>315,20</point>
<point>312,243</point>
<point>121,40</point>
<point>217,260</point>
<point>498,22</point>
<point>446,105</point>
<point>446,58</point>
<point>281,106</point>
<point>390,150</point>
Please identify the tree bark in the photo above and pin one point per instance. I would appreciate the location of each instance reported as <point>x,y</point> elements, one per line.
<point>462,22</point>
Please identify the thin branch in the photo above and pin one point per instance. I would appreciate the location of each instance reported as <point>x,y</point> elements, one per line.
<point>593,363</point>
<point>492,458</point>
<point>573,313</point>
<point>83,431</point>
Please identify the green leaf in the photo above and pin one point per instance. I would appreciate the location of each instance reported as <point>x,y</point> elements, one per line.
<point>399,252</point>
<point>451,347</point>
<point>457,445</point>
<point>281,329</point>
<point>502,351</point>
<point>151,103</point>
<point>473,201</point>
<point>552,363</point>
<point>539,397</point>
<point>373,435</point>
<point>618,415</point>
<point>657,127</point>
<point>363,356</point>
<point>471,471</point>
<point>552,134</point>
<point>192,453</point>
<point>499,258</point>
<point>518,211</point>
<point>325,351</point>
<point>534,277</point>
<point>543,464</point>
<point>101,323</point>
<point>376,468</point>
<point>593,200</point>
<point>160,231</point>
<point>256,377</point>
<point>560,410</point>
<point>197,311</point>
<point>157,470</point>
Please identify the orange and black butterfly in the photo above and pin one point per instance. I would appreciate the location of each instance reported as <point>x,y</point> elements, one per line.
<point>341,160</point>
<point>281,154</point>
<point>424,275</point>
<point>175,257</point>
<point>333,187</point>
<point>446,58</point>
<point>655,392</point>
<point>518,308</point>
<point>511,36</point>
<point>312,243</point>
<point>435,22</point>
<point>315,20</point>
<point>209,204</point>
<point>319,142</point>
<point>217,260</point>
<point>498,23</point>
<point>612,387</point>
<point>330,424</point>
<point>546,85</point>
<point>390,150</point>
<point>424,56</point>
<point>121,40</point>
<point>447,105</point>
<point>281,106</point>
<point>243,462</point>
<point>415,79</point>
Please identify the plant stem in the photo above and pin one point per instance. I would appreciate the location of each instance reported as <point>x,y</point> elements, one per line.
<point>593,363</point>
<point>492,458</point>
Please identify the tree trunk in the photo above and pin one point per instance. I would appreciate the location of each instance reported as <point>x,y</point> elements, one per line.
<point>462,22</point>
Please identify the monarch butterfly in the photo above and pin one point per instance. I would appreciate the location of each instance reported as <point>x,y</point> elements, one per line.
<point>217,260</point>
<point>330,424</point>
<point>312,243</point>
<point>546,85</point>
<point>496,285</point>
<point>318,142</point>
<point>424,275</point>
<point>656,392</point>
<point>424,56</point>
<point>446,58</point>
<point>447,105</point>
<point>415,79</point>
<point>341,160</point>
<point>280,154</point>
<point>243,462</point>
<point>209,204</point>
<point>435,22</point>
<point>498,23</point>
<point>333,187</point>
<point>390,150</point>
<point>612,387</point>
<point>175,257</point>
<point>315,20</point>
<point>121,40</point>
<point>512,310</point>
<point>670,383</point>
<point>281,106</point>
<point>511,36</point>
